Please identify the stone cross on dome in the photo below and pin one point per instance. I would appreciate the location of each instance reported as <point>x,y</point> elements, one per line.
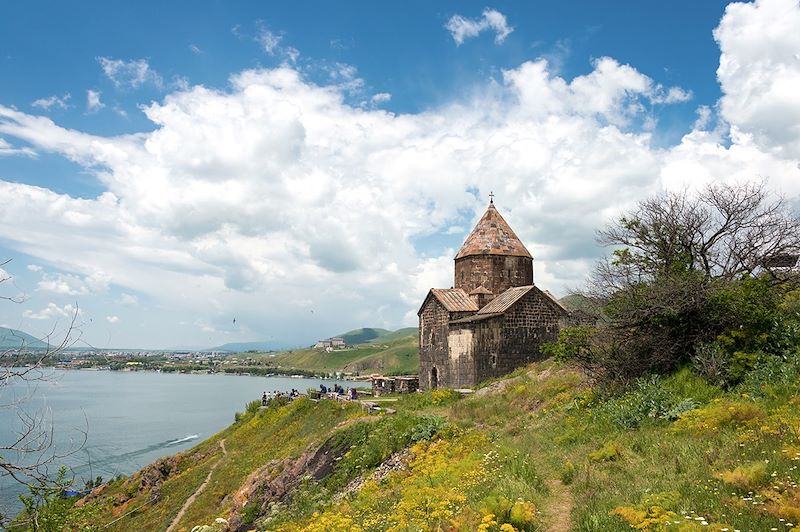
<point>491,198</point>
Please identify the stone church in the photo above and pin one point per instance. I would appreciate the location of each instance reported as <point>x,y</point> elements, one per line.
<point>494,318</point>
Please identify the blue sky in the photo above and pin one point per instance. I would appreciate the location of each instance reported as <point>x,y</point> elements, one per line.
<point>311,167</point>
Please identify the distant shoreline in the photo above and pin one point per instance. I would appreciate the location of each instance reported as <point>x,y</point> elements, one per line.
<point>349,378</point>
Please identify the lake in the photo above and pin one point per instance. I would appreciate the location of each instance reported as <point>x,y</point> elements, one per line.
<point>131,418</point>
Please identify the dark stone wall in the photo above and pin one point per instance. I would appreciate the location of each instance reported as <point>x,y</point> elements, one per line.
<point>513,339</point>
<point>434,352</point>
<point>497,273</point>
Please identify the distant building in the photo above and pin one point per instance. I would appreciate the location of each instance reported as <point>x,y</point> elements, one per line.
<point>494,319</point>
<point>330,343</point>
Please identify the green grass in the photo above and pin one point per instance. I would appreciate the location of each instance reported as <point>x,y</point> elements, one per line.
<point>539,448</point>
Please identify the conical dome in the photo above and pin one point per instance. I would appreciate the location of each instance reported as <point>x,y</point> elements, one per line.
<point>493,236</point>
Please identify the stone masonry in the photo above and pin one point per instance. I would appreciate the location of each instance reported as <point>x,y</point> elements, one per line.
<point>494,319</point>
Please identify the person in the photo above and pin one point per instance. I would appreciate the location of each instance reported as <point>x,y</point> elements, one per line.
<point>323,389</point>
<point>353,394</point>
<point>264,399</point>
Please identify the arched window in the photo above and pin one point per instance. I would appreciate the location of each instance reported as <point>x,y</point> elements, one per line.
<point>434,379</point>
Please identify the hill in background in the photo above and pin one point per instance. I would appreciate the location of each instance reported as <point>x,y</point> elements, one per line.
<point>15,339</point>
<point>360,336</point>
<point>241,347</point>
<point>379,351</point>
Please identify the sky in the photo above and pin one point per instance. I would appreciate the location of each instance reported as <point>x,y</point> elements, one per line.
<point>197,173</point>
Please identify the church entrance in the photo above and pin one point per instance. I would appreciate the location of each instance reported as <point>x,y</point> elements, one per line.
<point>434,379</point>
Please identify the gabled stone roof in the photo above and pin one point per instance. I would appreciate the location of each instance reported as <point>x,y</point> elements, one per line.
<point>452,299</point>
<point>504,301</point>
<point>493,236</point>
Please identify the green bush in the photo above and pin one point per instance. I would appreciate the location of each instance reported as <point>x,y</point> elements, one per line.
<point>567,473</point>
<point>609,452</point>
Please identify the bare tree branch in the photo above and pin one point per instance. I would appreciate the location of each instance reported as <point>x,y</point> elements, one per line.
<point>28,458</point>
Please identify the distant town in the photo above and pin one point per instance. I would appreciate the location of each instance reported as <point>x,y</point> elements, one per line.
<point>179,361</point>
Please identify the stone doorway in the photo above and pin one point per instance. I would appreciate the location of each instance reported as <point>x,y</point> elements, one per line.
<point>434,379</point>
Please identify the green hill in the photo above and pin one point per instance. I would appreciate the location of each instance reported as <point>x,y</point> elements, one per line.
<point>396,335</point>
<point>360,336</point>
<point>15,339</point>
<point>391,353</point>
<point>582,303</point>
<point>538,450</point>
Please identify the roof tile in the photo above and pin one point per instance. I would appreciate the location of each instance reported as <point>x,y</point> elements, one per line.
<point>454,299</point>
<point>493,236</point>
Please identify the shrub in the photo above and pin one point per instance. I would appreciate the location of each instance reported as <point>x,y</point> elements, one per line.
<point>567,473</point>
<point>607,453</point>
<point>432,398</point>
<point>521,514</point>
<point>653,511</point>
<point>649,398</point>
<point>253,406</point>
<point>720,414</point>
<point>426,427</point>
<point>746,477</point>
<point>711,362</point>
<point>773,377</point>
<point>684,406</point>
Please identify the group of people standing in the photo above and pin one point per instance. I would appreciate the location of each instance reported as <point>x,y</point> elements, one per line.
<point>337,392</point>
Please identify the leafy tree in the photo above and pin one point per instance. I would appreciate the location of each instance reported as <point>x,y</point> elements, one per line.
<point>689,270</point>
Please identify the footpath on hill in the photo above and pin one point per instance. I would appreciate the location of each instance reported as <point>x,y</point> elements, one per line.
<point>197,492</point>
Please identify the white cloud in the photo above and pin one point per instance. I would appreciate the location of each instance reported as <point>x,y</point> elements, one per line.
<point>130,74</point>
<point>34,268</point>
<point>7,149</point>
<point>612,91</point>
<point>93,102</point>
<point>195,49</point>
<point>269,40</point>
<point>271,43</point>
<point>255,200</point>
<point>672,95</point>
<point>381,97</point>
<point>127,300</point>
<point>52,101</point>
<point>112,319</point>
<point>345,77</point>
<point>72,285</point>
<point>53,312</point>
<point>759,72</point>
<point>462,28</point>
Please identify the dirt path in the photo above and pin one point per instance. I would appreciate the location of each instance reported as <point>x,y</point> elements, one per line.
<point>197,492</point>
<point>559,511</point>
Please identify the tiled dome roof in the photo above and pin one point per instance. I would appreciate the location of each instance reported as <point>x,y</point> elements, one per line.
<point>493,236</point>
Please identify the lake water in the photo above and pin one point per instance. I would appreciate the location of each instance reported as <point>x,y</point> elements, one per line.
<point>131,418</point>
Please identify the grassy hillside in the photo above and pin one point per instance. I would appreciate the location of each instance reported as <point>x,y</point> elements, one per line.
<point>396,335</point>
<point>539,450</point>
<point>392,353</point>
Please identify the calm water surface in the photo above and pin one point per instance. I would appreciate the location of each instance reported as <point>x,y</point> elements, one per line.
<point>131,418</point>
